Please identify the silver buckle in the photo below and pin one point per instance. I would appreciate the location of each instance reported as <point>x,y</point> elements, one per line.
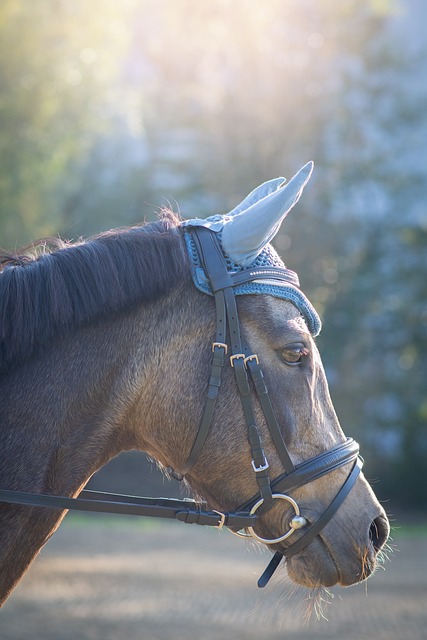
<point>220,345</point>
<point>250,358</point>
<point>221,522</point>
<point>237,356</point>
<point>262,467</point>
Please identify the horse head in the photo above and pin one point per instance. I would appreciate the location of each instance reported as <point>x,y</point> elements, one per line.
<point>193,342</point>
<point>278,325</point>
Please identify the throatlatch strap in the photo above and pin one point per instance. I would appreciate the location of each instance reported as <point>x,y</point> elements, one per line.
<point>219,349</point>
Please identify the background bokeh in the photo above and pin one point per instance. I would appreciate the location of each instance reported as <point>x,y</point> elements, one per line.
<point>111,109</point>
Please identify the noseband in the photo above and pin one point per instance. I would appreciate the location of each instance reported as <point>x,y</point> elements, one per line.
<point>247,370</point>
<point>248,373</point>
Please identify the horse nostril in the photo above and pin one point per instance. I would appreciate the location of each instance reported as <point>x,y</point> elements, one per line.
<point>379,532</point>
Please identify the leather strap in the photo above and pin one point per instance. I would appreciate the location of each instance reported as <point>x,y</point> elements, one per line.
<point>270,416</point>
<point>221,283</point>
<point>219,349</point>
<point>315,528</point>
<point>265,273</point>
<point>264,579</point>
<point>94,501</point>
<point>311,469</point>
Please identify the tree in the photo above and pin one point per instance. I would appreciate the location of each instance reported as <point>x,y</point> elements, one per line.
<point>376,327</point>
<point>55,72</point>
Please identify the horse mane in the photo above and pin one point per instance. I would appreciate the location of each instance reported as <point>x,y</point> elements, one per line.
<point>55,286</point>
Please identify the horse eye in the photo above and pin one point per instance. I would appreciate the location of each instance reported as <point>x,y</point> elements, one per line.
<point>293,354</point>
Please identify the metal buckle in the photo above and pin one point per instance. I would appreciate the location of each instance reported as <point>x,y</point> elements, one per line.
<point>262,467</point>
<point>252,357</point>
<point>221,521</point>
<point>235,357</point>
<point>220,345</point>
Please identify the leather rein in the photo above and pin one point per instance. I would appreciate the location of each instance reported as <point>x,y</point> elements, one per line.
<point>247,372</point>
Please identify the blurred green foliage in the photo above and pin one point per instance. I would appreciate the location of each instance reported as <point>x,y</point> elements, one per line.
<point>110,109</point>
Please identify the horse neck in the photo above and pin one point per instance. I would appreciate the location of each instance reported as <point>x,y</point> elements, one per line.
<point>69,410</point>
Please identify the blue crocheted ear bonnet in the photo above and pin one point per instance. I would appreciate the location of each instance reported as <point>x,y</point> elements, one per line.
<point>267,258</point>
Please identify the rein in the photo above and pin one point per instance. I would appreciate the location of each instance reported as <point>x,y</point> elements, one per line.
<point>185,510</point>
<point>248,374</point>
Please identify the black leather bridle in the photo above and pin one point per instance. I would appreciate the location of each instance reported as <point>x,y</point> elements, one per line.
<point>247,371</point>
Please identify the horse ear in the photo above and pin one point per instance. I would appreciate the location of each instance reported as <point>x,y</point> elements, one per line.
<point>247,232</point>
<point>257,194</point>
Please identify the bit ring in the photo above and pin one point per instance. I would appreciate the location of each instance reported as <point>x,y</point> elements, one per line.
<point>298,521</point>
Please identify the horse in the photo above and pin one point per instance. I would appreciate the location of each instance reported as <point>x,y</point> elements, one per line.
<point>106,345</point>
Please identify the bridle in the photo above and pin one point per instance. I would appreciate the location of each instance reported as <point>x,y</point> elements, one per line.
<point>247,372</point>
<point>247,369</point>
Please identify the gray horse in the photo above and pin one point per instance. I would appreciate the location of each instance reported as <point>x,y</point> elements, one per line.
<point>105,346</point>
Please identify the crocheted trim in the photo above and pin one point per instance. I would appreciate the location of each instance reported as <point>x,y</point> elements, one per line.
<point>267,258</point>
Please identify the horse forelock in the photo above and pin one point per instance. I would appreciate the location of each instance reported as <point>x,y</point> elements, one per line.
<point>56,287</point>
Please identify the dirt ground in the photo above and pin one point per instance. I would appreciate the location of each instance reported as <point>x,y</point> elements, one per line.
<point>113,579</point>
